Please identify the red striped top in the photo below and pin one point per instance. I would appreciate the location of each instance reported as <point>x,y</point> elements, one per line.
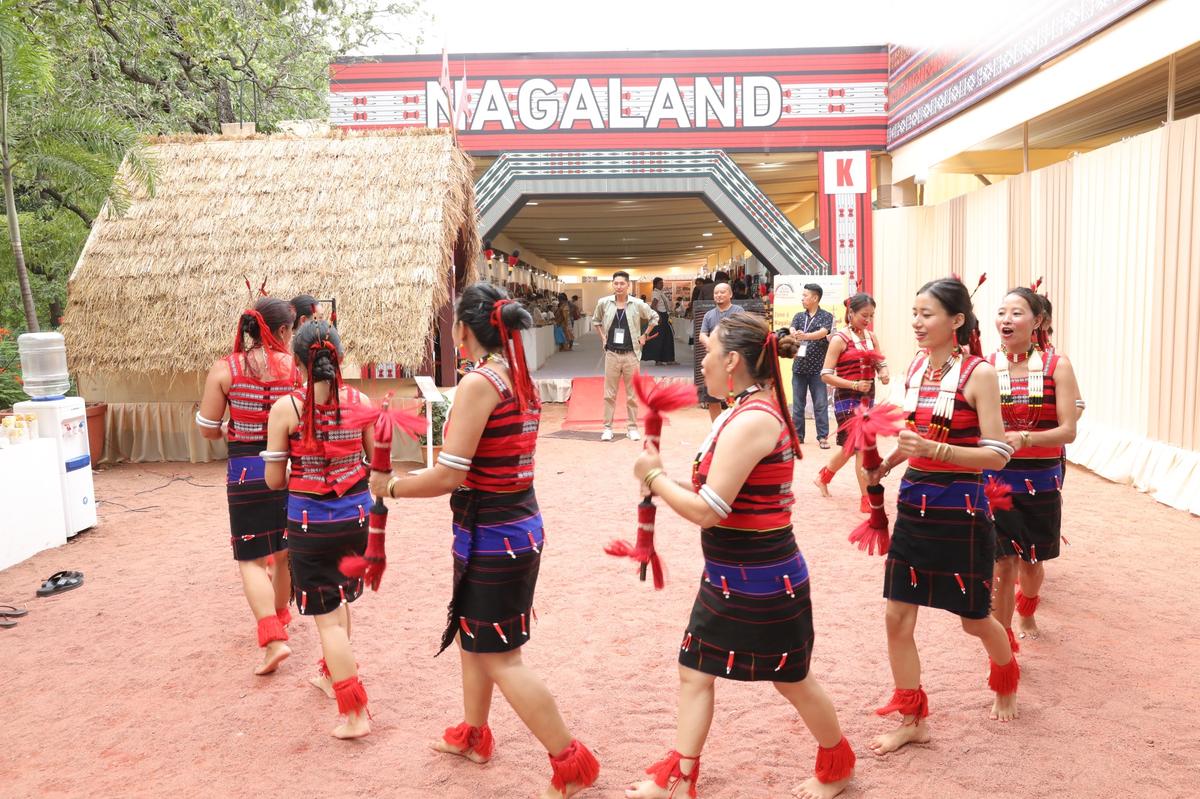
<point>342,464</point>
<point>964,425</point>
<point>1016,417</point>
<point>503,461</point>
<point>850,364</point>
<point>250,401</point>
<point>764,502</point>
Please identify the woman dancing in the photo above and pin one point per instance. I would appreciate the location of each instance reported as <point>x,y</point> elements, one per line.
<point>249,381</point>
<point>327,507</point>
<point>943,545</point>
<point>852,363</point>
<point>752,619</point>
<point>1038,402</point>
<point>486,467</point>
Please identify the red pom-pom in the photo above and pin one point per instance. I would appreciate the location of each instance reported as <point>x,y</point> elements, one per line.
<point>867,423</point>
<point>999,494</point>
<point>660,396</point>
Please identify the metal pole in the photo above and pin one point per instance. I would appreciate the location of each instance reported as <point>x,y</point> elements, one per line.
<point>1171,88</point>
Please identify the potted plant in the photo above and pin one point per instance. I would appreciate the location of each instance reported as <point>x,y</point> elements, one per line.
<point>439,409</point>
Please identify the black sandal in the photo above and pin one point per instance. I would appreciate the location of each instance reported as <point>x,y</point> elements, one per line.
<point>59,582</point>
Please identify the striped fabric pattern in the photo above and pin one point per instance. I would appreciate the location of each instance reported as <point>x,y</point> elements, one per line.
<point>257,515</point>
<point>341,465</point>
<point>504,458</point>
<point>250,401</point>
<point>964,427</point>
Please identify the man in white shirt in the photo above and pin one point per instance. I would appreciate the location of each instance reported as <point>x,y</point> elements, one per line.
<point>618,319</point>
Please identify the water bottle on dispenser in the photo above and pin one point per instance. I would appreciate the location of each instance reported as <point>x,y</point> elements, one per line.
<point>63,418</point>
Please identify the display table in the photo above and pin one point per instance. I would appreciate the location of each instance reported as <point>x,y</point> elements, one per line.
<point>539,346</point>
<point>31,514</point>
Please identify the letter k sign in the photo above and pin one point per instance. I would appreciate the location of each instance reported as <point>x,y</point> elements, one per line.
<point>844,172</point>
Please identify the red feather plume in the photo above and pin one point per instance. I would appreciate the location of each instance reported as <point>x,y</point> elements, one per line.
<point>867,423</point>
<point>999,494</point>
<point>1037,284</point>
<point>660,396</point>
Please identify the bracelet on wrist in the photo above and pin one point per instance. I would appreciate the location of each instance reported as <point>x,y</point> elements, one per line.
<point>650,477</point>
<point>391,485</point>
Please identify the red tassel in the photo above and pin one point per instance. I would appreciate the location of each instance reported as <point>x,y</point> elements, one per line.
<point>270,628</point>
<point>864,427</point>
<point>533,543</point>
<point>1027,606</point>
<point>1029,487</point>
<point>1064,539</point>
<point>575,765</point>
<point>907,702</point>
<point>242,477</point>
<point>1016,546</point>
<point>825,475</point>
<point>912,576</point>
<point>667,774</point>
<point>787,586</point>
<point>1012,640</point>
<point>500,632</point>
<point>835,763</point>
<point>351,696</point>
<point>303,601</point>
<point>999,494</point>
<point>782,661</point>
<point>970,510</point>
<point>687,642</point>
<point>1003,679</point>
<point>304,521</point>
<point>643,552</point>
<point>923,506</point>
<point>466,738</point>
<point>1033,553</point>
<point>465,627</point>
<point>872,535</point>
<point>284,615</point>
<point>524,628</point>
<point>729,663</point>
<point>961,586</point>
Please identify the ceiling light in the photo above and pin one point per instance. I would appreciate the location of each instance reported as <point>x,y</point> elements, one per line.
<point>563,238</point>
<point>572,258</point>
<point>626,257</point>
<point>706,235</point>
<point>626,202</point>
<point>583,262</point>
<point>770,164</point>
<point>533,202</point>
<point>699,246</point>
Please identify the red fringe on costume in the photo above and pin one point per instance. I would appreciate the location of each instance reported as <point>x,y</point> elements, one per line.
<point>465,737</point>
<point>575,765</point>
<point>1012,640</point>
<point>1027,605</point>
<point>666,772</point>
<point>351,696</point>
<point>907,702</point>
<point>1003,679</point>
<point>284,614</point>
<point>835,763</point>
<point>270,628</point>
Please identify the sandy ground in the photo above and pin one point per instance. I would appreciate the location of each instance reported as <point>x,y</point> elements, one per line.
<point>139,683</point>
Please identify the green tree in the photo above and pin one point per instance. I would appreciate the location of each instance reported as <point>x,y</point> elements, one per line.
<point>67,154</point>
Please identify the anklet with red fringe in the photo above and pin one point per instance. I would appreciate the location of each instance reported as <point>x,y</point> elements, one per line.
<point>667,774</point>
<point>466,738</point>
<point>835,763</point>
<point>270,629</point>
<point>575,765</point>
<point>907,702</point>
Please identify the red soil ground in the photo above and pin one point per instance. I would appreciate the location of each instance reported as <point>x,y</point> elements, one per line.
<point>139,683</point>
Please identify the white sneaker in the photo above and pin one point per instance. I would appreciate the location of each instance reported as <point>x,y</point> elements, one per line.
<point>634,435</point>
<point>606,435</point>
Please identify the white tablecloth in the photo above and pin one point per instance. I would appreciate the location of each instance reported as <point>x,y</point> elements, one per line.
<point>539,346</point>
<point>31,513</point>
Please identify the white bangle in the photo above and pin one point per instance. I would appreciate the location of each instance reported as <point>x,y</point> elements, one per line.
<point>454,462</point>
<point>719,506</point>
<point>1000,447</point>
<point>1080,404</point>
<point>828,371</point>
<point>209,423</point>
<point>273,456</point>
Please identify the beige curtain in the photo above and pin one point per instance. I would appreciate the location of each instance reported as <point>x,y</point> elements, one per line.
<point>1115,236</point>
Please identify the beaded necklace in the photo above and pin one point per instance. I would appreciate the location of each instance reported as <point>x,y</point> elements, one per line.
<point>943,407</point>
<point>1035,385</point>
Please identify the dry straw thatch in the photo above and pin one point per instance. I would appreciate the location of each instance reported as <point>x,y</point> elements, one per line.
<point>369,219</point>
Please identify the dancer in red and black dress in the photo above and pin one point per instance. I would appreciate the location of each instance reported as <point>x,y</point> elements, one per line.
<point>943,544</point>
<point>249,381</point>
<point>852,362</point>
<point>1038,395</point>
<point>486,467</point>
<point>752,619</point>
<point>321,432</point>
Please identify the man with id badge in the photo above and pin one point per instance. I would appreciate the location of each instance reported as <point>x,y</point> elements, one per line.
<point>812,327</point>
<point>618,320</point>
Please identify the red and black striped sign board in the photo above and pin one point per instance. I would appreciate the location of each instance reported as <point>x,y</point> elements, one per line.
<point>756,100</point>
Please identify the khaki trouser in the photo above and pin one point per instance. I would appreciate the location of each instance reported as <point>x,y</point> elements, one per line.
<point>619,365</point>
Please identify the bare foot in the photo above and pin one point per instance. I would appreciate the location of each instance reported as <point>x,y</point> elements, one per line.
<point>325,684</point>
<point>469,753</point>
<point>1027,627</point>
<point>648,789</point>
<point>277,652</point>
<point>356,725</point>
<point>822,487</point>
<point>813,788</point>
<point>572,789</point>
<point>1004,708</point>
<point>904,734</point>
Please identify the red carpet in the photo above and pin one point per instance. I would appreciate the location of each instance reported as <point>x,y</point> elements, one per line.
<point>585,408</point>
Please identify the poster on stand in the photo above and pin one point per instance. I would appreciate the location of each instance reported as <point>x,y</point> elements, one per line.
<point>788,290</point>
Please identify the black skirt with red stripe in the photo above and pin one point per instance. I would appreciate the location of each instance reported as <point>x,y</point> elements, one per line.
<point>321,531</point>
<point>257,515</point>
<point>498,541</point>
<point>943,545</point>
<point>752,618</point>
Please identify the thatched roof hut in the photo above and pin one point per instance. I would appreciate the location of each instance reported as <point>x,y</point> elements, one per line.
<point>377,221</point>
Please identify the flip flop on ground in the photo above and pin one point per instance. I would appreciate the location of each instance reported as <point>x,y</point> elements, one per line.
<point>6,622</point>
<point>12,612</point>
<point>59,582</point>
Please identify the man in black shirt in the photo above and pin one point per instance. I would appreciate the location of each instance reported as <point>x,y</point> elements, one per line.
<point>812,327</point>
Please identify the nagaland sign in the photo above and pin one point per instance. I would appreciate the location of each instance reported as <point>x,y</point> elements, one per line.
<point>762,100</point>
